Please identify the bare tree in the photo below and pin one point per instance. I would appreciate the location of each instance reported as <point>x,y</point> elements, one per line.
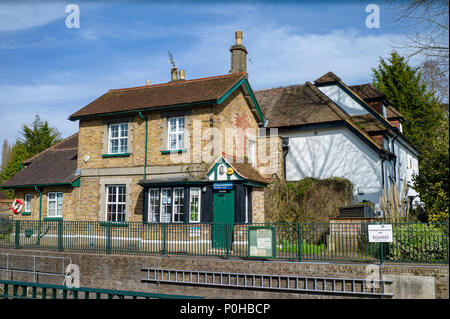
<point>436,80</point>
<point>428,19</point>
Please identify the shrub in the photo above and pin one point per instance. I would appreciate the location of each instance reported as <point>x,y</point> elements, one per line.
<point>419,242</point>
<point>307,200</point>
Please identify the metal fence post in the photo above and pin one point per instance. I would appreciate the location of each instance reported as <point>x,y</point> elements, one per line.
<point>60,235</point>
<point>381,253</point>
<point>108,238</point>
<point>228,239</point>
<point>164,252</point>
<point>17,239</point>
<point>299,244</point>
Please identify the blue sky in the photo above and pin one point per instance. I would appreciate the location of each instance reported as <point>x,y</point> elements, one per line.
<point>51,70</point>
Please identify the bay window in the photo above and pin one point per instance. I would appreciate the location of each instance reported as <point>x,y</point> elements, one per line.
<point>166,205</point>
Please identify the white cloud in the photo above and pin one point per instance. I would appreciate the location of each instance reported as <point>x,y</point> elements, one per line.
<point>17,16</point>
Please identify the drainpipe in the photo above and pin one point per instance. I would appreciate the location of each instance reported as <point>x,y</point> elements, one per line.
<point>40,211</point>
<point>146,135</point>
<point>395,158</point>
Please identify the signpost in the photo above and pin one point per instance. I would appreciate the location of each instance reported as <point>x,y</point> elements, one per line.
<point>380,233</point>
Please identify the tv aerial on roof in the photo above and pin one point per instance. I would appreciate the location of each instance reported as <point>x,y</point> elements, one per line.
<point>171,59</point>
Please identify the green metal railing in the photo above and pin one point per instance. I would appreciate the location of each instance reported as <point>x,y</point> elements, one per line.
<point>29,290</point>
<point>334,241</point>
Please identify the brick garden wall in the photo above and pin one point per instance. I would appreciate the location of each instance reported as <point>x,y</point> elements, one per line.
<point>124,272</point>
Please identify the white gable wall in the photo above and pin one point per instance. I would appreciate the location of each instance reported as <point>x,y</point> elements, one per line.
<point>343,99</point>
<point>407,166</point>
<point>334,152</point>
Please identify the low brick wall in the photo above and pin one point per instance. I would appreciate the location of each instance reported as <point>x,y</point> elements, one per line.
<point>124,272</point>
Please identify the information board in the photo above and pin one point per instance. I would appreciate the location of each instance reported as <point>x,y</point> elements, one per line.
<point>261,241</point>
<point>380,233</point>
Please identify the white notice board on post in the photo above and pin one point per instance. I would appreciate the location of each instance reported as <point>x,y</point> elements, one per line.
<point>380,233</point>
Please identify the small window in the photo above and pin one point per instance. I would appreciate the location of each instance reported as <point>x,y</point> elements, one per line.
<point>115,203</point>
<point>176,133</point>
<point>27,203</point>
<point>194,205</point>
<point>166,205</point>
<point>153,205</point>
<point>252,152</point>
<point>178,204</point>
<point>55,204</point>
<point>118,138</point>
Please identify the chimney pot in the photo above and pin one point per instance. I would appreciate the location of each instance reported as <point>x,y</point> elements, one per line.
<point>239,35</point>
<point>147,82</point>
<point>182,75</point>
<point>174,73</point>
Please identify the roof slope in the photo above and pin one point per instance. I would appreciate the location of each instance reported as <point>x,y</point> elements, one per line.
<point>305,104</point>
<point>166,94</point>
<point>243,168</point>
<point>294,105</point>
<point>370,93</point>
<point>55,165</point>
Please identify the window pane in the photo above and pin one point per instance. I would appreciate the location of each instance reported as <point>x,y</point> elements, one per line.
<point>181,124</point>
<point>27,202</point>
<point>114,146</point>
<point>123,145</point>
<point>123,130</point>
<point>181,140</point>
<point>194,205</point>
<point>114,128</point>
<point>172,141</point>
<point>153,215</point>
<point>172,125</point>
<point>166,205</point>
<point>178,205</point>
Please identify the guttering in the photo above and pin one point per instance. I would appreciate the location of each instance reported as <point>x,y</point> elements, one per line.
<point>157,108</point>
<point>75,183</point>
<point>146,138</point>
<point>219,100</point>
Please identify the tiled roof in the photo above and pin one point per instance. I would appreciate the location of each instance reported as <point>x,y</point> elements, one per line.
<point>165,94</point>
<point>55,165</point>
<point>327,78</point>
<point>369,93</point>
<point>304,104</point>
<point>245,169</point>
<point>294,105</point>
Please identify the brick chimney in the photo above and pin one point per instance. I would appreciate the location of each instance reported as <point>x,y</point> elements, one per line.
<point>238,55</point>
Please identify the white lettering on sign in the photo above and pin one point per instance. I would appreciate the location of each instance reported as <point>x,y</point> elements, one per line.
<point>380,233</point>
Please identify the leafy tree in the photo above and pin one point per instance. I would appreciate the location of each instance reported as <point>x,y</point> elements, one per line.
<point>408,93</point>
<point>39,136</point>
<point>426,127</point>
<point>35,138</point>
<point>432,183</point>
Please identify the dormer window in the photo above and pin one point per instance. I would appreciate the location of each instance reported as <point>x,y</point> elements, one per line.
<point>118,138</point>
<point>176,133</point>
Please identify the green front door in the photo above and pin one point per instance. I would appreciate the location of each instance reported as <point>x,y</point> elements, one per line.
<point>223,219</point>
